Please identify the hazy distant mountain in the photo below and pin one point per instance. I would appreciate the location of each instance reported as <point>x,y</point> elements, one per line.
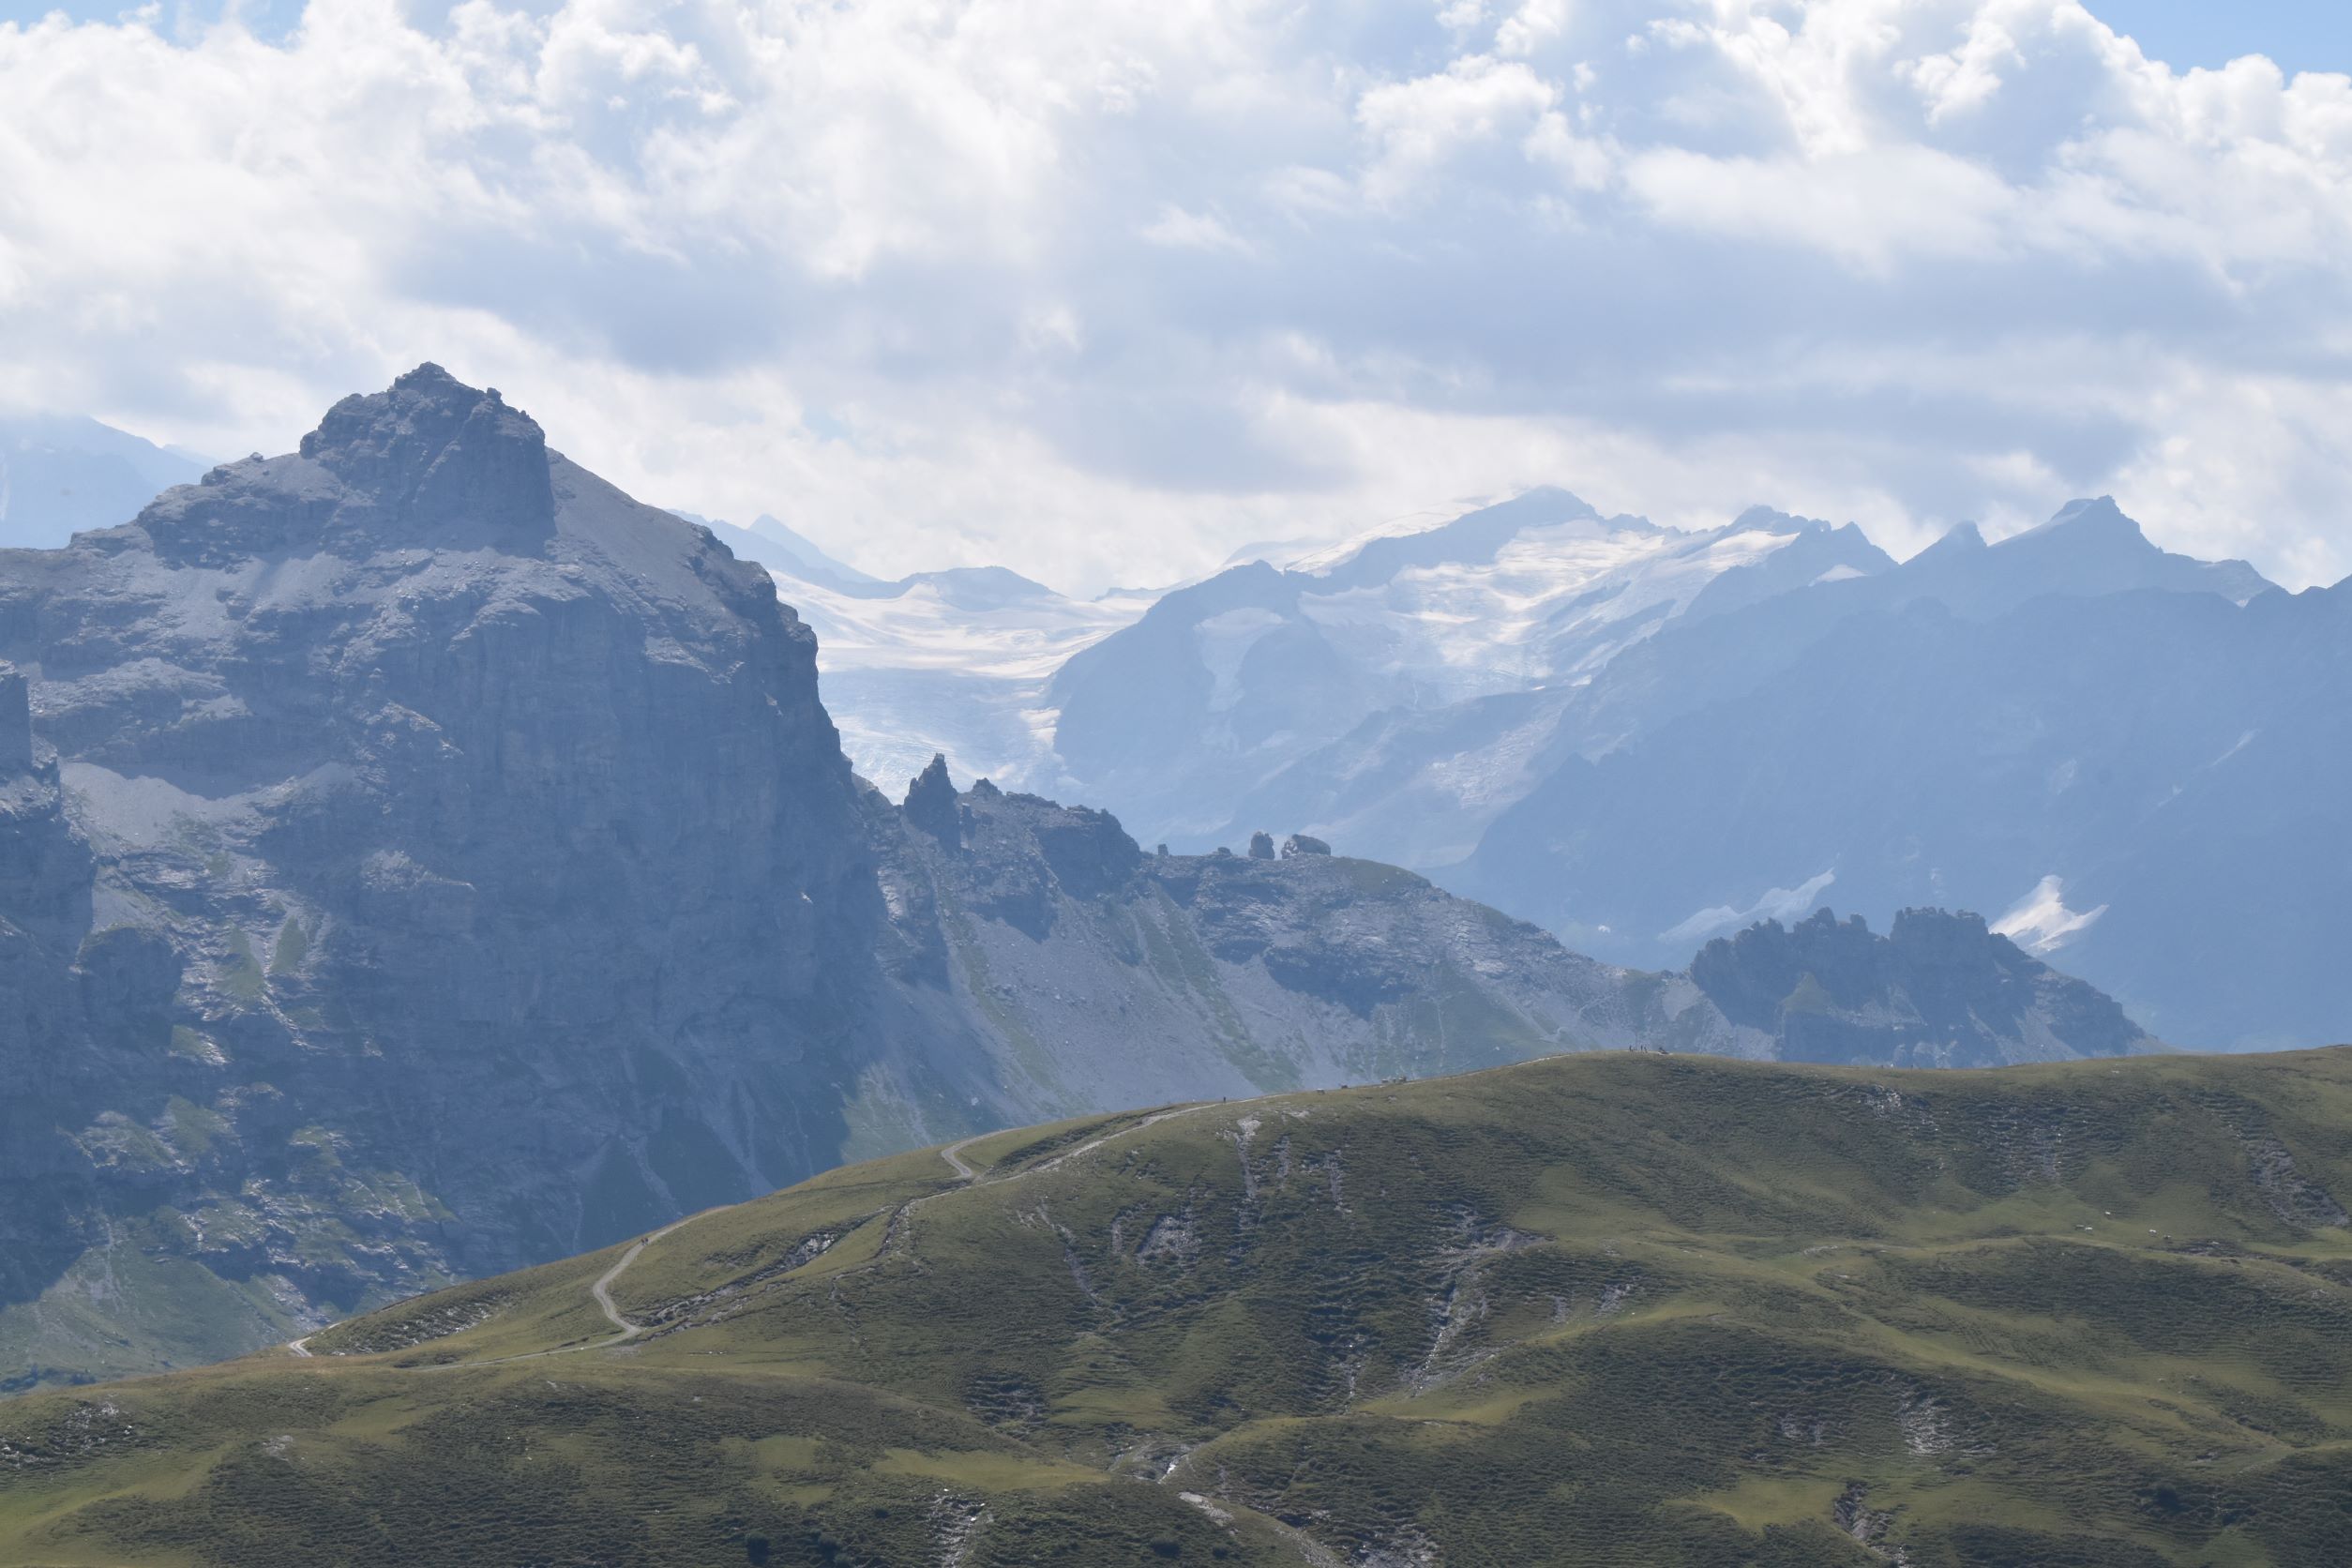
<point>59,474</point>
<point>1185,719</point>
<point>953,661</point>
<point>2066,729</point>
<point>1643,739</point>
<point>779,549</point>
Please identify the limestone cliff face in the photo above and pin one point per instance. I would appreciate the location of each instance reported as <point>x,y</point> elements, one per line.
<point>476,875</point>
<point>45,1198</point>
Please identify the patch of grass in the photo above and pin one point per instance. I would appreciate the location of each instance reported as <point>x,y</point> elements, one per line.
<point>240,971</point>
<point>293,946</point>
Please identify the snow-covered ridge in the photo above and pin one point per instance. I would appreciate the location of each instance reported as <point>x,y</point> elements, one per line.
<point>952,661</point>
<point>932,669</point>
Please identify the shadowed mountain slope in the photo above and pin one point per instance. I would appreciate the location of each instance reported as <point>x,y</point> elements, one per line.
<point>1608,1309</point>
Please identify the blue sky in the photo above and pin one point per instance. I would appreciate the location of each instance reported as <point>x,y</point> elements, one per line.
<point>2299,35</point>
<point>1101,292</point>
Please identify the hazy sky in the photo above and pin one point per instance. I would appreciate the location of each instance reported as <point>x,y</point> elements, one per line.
<point>1103,289</point>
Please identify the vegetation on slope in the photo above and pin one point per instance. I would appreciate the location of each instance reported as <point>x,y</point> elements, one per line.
<point>1598,1309</point>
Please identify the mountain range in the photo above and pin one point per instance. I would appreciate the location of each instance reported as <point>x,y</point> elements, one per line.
<point>1642,737</point>
<point>418,859</point>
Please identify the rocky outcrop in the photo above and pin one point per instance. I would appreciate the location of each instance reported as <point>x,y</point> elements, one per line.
<point>930,802</point>
<point>1940,991</point>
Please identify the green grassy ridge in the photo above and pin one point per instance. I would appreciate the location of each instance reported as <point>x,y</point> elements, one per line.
<point>1595,1309</point>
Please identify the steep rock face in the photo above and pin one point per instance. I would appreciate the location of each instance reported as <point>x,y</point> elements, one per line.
<point>1940,991</point>
<point>478,876</point>
<point>44,910</point>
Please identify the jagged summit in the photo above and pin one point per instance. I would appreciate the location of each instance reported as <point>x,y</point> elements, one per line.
<point>428,463</point>
<point>2092,514</point>
<point>930,802</point>
<point>1946,989</point>
<point>1772,520</point>
<point>433,443</point>
<point>1961,538</point>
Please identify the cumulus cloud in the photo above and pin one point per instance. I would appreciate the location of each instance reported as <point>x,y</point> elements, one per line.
<point>1102,291</point>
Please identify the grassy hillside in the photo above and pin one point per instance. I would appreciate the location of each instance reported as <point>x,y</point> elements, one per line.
<point>1599,1309</point>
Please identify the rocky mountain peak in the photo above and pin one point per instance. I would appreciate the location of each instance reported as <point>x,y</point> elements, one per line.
<point>429,462</point>
<point>1961,538</point>
<point>1770,520</point>
<point>2095,518</point>
<point>930,802</point>
<point>434,447</point>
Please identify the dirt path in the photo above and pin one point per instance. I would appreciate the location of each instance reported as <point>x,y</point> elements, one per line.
<point>1153,1119</point>
<point>625,1330</point>
<point>602,1289</point>
<point>954,1152</point>
<point>953,1155</point>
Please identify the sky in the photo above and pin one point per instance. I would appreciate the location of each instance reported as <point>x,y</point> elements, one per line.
<point>1101,289</point>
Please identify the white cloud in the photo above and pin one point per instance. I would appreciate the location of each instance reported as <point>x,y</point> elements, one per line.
<point>1533,25</point>
<point>1417,126</point>
<point>1869,208</point>
<point>1102,291</point>
<point>1193,231</point>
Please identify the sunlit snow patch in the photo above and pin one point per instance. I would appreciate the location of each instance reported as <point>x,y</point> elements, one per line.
<point>1779,903</point>
<point>2041,922</point>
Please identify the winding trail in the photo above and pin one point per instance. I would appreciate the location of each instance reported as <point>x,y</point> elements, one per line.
<point>953,1155</point>
<point>602,1291</point>
<point>954,1152</point>
<point>625,1330</point>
